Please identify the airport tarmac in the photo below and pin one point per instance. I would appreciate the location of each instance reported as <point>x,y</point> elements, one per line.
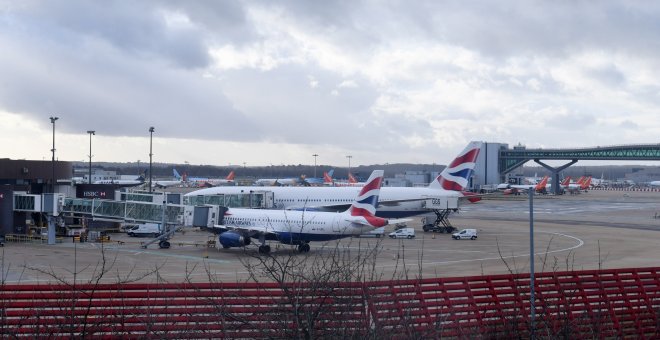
<point>598,229</point>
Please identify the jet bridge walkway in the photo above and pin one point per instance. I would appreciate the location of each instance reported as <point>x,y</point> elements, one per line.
<point>135,207</point>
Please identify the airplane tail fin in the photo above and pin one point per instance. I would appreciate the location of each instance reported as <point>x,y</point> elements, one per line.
<point>351,178</point>
<point>566,181</point>
<point>586,183</point>
<point>456,175</point>
<point>185,177</point>
<point>541,185</point>
<point>176,174</point>
<point>363,209</point>
<point>230,177</point>
<point>327,177</point>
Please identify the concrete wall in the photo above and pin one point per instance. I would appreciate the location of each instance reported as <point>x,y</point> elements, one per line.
<point>486,170</point>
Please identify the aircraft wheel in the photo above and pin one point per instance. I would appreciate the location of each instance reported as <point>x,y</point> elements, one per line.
<point>303,248</point>
<point>164,245</point>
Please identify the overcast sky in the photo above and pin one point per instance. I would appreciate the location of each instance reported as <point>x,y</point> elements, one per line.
<point>273,82</point>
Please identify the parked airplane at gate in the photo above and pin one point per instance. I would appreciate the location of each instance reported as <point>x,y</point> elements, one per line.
<point>301,227</point>
<point>395,202</point>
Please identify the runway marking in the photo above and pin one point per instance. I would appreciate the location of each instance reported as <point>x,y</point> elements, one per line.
<point>579,244</point>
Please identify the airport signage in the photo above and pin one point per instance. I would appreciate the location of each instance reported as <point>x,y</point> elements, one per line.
<point>98,191</point>
<point>441,203</point>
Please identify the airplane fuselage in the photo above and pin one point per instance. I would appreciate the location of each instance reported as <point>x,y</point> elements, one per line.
<point>295,226</point>
<point>394,202</point>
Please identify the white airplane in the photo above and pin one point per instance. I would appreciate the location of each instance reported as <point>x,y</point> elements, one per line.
<point>278,181</point>
<point>301,227</point>
<point>122,182</point>
<point>517,188</point>
<point>395,202</point>
<point>655,183</point>
<point>206,182</point>
<point>168,183</point>
<point>352,182</point>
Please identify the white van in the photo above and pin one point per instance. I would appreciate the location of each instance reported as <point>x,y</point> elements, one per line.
<point>145,229</point>
<point>465,234</point>
<point>378,233</point>
<point>403,233</point>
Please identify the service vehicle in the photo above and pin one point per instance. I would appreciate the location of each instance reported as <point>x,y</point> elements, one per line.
<point>378,233</point>
<point>145,229</point>
<point>465,234</point>
<point>403,233</point>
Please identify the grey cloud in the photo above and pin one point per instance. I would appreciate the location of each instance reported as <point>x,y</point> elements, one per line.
<point>627,124</point>
<point>136,28</point>
<point>115,96</point>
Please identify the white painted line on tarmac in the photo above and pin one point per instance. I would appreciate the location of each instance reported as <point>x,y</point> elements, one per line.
<point>580,243</point>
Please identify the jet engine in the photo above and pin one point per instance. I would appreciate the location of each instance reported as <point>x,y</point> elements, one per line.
<point>233,239</point>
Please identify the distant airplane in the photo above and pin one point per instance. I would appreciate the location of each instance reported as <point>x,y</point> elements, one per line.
<point>302,227</point>
<point>655,183</point>
<point>517,188</point>
<point>395,202</point>
<point>318,180</point>
<point>279,181</point>
<point>122,182</point>
<point>352,182</point>
<point>202,182</point>
<point>168,183</point>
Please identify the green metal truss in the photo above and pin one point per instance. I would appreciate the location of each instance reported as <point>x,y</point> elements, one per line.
<point>511,159</point>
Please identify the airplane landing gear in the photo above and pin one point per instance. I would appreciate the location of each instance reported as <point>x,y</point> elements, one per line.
<point>264,249</point>
<point>303,248</point>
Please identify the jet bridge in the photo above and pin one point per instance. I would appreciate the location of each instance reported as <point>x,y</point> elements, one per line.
<point>143,208</point>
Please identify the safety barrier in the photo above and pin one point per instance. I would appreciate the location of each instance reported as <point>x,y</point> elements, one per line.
<point>617,303</point>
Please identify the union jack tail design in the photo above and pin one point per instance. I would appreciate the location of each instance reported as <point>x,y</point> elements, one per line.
<point>456,175</point>
<point>366,202</point>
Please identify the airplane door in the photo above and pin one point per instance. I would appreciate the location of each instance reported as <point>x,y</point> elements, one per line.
<point>335,224</point>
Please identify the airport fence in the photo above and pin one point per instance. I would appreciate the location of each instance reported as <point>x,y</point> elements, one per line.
<point>613,303</point>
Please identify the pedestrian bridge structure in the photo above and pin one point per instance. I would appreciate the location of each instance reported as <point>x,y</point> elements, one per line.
<point>510,159</point>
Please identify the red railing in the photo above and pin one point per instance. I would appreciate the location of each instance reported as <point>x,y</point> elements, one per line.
<point>615,303</point>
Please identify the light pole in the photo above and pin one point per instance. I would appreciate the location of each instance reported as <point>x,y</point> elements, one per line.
<point>349,163</point>
<point>151,136</point>
<point>315,155</point>
<point>52,182</point>
<point>91,132</point>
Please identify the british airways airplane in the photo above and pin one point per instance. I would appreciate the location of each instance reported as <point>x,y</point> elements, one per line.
<point>299,228</point>
<point>394,202</point>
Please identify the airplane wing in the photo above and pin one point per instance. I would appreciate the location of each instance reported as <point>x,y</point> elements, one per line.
<point>253,231</point>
